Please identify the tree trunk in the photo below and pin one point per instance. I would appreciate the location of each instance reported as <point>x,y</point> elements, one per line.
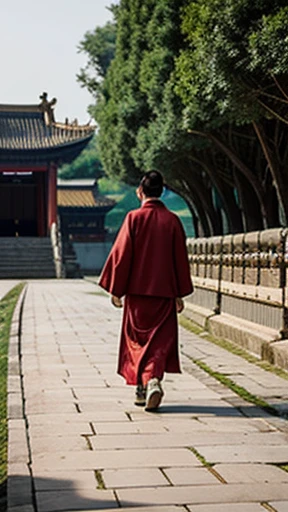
<point>227,196</point>
<point>191,196</point>
<point>279,179</point>
<point>202,189</point>
<point>249,175</point>
<point>252,218</point>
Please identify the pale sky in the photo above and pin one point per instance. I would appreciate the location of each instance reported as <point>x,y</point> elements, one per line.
<point>38,42</point>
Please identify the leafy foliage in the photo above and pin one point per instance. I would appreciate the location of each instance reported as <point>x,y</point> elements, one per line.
<point>126,200</point>
<point>86,165</point>
<point>197,89</point>
<point>99,46</point>
<point>234,50</point>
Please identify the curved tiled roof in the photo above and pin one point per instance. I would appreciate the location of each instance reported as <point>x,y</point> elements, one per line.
<point>81,198</point>
<point>29,132</point>
<point>25,129</point>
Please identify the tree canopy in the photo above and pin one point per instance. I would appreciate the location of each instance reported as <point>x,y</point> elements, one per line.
<point>198,89</point>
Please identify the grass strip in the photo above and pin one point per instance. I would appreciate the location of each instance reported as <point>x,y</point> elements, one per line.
<point>100,482</point>
<point>232,347</point>
<point>7,306</point>
<point>229,383</point>
<point>200,457</point>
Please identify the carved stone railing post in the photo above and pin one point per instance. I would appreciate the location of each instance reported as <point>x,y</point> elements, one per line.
<point>218,244</point>
<point>270,250</point>
<point>251,258</point>
<point>228,260</point>
<point>238,258</point>
<point>283,282</point>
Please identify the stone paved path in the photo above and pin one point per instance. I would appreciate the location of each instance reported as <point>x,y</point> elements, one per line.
<point>77,442</point>
<point>6,286</point>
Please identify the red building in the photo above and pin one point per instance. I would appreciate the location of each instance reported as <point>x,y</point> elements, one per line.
<point>32,146</point>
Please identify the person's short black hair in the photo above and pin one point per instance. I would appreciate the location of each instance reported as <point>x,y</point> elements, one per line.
<point>152,184</point>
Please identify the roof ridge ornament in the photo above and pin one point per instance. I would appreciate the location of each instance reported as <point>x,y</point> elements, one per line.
<point>47,107</point>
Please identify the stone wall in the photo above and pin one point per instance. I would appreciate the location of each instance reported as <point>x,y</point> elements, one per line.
<point>91,256</point>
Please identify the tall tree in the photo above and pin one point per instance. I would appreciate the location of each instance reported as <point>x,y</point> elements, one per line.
<point>99,48</point>
<point>197,89</point>
<point>226,77</point>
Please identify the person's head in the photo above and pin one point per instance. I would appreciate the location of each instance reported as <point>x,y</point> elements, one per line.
<point>151,185</point>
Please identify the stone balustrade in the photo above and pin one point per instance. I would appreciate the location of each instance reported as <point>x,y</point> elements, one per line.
<point>241,278</point>
<point>255,258</point>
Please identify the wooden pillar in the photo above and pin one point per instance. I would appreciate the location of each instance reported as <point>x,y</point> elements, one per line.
<point>41,213</point>
<point>52,195</point>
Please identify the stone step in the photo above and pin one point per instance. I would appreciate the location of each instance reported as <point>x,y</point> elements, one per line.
<point>27,275</point>
<point>36,268</point>
<point>26,257</point>
<point>14,245</point>
<point>38,256</point>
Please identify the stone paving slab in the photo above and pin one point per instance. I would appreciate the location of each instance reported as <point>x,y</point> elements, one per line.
<point>160,457</point>
<point>60,429</point>
<point>191,476</point>
<point>248,473</point>
<point>280,506</point>
<point>193,495</point>
<point>237,425</point>
<point>58,444</point>
<point>166,508</point>
<point>130,427</point>
<point>22,508</point>
<point>171,439</point>
<point>85,499</point>
<point>255,380</point>
<point>142,477</point>
<point>245,453</point>
<point>84,431</point>
<point>64,480</point>
<point>228,507</point>
<point>6,285</point>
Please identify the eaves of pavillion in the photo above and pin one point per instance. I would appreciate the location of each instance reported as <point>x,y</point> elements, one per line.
<point>29,136</point>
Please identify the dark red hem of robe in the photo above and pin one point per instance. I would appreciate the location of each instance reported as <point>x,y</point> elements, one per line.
<point>149,339</point>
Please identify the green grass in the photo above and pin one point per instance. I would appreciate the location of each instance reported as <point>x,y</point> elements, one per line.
<point>226,381</point>
<point>7,306</point>
<point>200,457</point>
<point>231,347</point>
<point>229,383</point>
<point>100,482</point>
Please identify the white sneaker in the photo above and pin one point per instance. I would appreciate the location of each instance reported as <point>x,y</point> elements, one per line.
<point>154,394</point>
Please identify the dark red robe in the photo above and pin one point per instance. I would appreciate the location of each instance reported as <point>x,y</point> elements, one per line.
<point>148,264</point>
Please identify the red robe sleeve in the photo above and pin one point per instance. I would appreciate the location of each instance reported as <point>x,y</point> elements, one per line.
<point>115,274</point>
<point>181,262</point>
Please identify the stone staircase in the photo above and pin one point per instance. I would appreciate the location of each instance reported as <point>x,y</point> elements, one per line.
<point>26,258</point>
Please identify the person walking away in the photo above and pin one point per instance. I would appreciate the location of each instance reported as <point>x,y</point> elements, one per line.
<point>148,266</point>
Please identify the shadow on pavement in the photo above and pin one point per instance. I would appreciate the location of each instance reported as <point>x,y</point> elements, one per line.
<point>50,494</point>
<point>252,410</point>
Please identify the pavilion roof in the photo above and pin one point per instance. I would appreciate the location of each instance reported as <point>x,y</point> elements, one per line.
<point>81,193</point>
<point>81,198</point>
<point>30,133</point>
